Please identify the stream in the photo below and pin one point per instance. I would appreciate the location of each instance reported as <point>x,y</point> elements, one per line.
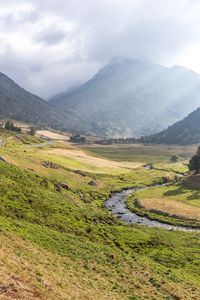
<point>116,205</point>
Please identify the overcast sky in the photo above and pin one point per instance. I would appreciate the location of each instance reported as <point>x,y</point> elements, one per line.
<point>48,45</point>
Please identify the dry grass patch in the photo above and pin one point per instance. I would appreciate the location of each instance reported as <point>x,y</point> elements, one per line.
<point>30,273</point>
<point>53,135</point>
<point>83,157</point>
<point>171,207</point>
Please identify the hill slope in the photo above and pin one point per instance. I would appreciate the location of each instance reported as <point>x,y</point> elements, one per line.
<point>132,98</point>
<point>16,103</point>
<point>186,131</point>
<point>63,241</point>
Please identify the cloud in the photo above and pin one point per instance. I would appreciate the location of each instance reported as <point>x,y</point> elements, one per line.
<point>50,36</point>
<point>46,46</point>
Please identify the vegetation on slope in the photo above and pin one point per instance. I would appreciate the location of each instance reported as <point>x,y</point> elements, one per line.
<point>63,241</point>
<point>18,104</point>
<point>183,132</point>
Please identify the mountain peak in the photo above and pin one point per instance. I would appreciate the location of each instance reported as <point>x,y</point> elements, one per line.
<point>124,60</point>
<point>131,97</point>
<point>183,69</point>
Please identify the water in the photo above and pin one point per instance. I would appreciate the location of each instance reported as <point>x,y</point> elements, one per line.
<point>116,205</point>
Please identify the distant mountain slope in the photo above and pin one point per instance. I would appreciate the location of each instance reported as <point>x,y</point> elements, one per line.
<point>16,103</point>
<point>132,98</point>
<point>186,131</point>
<point>68,92</point>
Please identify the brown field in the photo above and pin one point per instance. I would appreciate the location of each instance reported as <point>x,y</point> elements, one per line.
<point>172,207</point>
<point>83,157</point>
<point>53,135</point>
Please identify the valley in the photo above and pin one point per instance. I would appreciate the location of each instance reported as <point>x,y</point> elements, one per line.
<point>99,150</point>
<point>57,236</point>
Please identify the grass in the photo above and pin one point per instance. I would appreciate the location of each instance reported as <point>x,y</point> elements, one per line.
<point>142,153</point>
<point>98,270</point>
<point>173,208</point>
<point>58,243</point>
<point>178,167</point>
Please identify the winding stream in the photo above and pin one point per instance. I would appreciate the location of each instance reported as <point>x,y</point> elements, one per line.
<point>116,205</point>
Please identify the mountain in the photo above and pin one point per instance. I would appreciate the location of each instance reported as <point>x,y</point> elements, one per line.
<point>131,98</point>
<point>186,131</point>
<point>18,104</point>
<point>69,91</point>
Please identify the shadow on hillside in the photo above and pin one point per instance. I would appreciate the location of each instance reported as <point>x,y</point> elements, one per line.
<point>195,194</point>
<point>192,182</point>
<point>176,192</point>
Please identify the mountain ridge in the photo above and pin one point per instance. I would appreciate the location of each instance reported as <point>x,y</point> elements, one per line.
<point>19,104</point>
<point>132,98</point>
<point>186,131</point>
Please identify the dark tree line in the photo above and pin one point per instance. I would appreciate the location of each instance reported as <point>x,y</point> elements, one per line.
<point>194,163</point>
<point>77,138</point>
<point>10,126</point>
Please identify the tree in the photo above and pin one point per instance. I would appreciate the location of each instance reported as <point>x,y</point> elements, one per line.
<point>32,131</point>
<point>77,138</point>
<point>194,163</point>
<point>9,125</point>
<point>174,158</point>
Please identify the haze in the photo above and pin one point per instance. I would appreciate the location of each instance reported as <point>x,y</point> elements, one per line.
<point>48,46</point>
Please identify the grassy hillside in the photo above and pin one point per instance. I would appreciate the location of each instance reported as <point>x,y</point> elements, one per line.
<point>58,240</point>
<point>184,132</point>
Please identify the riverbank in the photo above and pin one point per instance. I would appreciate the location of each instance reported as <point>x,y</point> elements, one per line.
<point>116,204</point>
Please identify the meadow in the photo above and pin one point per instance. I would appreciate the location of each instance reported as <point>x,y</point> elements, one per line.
<point>58,241</point>
<point>142,153</point>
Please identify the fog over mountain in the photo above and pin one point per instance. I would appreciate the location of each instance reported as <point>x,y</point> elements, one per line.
<point>131,98</point>
<point>48,46</point>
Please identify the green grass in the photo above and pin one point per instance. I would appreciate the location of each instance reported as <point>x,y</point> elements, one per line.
<point>117,260</point>
<point>179,167</point>
<point>63,224</point>
<point>142,153</point>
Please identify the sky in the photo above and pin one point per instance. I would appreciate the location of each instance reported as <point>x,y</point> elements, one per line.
<point>47,46</point>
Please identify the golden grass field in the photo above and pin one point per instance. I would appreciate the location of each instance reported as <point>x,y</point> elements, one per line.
<point>86,158</point>
<point>53,135</point>
<point>172,207</point>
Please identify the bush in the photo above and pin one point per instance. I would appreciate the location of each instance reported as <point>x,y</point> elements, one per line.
<point>32,131</point>
<point>194,163</point>
<point>174,158</point>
